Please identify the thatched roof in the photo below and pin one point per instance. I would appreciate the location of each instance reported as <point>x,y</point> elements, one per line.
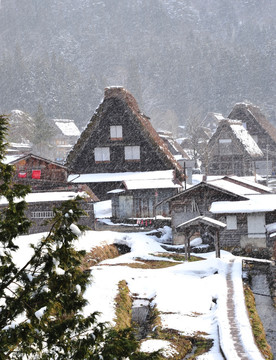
<point>244,111</point>
<point>241,134</point>
<point>128,101</point>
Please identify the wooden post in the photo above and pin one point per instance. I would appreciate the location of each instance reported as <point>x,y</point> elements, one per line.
<point>217,245</point>
<point>186,246</point>
<point>189,247</point>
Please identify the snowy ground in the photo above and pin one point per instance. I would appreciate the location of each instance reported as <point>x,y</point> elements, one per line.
<point>184,294</point>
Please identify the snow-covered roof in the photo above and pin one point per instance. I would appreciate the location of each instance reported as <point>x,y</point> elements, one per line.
<point>47,196</point>
<point>250,181</point>
<point>247,141</point>
<point>67,127</point>
<point>271,228</point>
<point>254,204</point>
<point>150,184</point>
<point>218,116</point>
<point>204,219</point>
<point>116,177</point>
<point>9,158</point>
<point>234,188</point>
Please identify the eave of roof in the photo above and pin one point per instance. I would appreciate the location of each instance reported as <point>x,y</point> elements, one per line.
<point>200,185</point>
<point>201,219</point>
<point>37,157</point>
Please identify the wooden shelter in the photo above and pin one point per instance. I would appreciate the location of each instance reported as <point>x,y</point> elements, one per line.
<point>202,225</point>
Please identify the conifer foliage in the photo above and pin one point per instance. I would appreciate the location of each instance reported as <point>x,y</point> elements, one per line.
<point>41,302</point>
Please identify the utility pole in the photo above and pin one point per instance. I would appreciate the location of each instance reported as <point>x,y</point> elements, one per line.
<point>266,164</point>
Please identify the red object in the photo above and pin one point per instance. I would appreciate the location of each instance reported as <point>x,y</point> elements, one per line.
<point>36,174</point>
<point>22,174</point>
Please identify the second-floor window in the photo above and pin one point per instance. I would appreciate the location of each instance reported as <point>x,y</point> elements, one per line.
<point>116,132</point>
<point>225,146</point>
<point>102,154</point>
<point>132,152</point>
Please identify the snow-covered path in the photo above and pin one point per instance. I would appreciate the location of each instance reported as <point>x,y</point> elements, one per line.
<point>236,329</point>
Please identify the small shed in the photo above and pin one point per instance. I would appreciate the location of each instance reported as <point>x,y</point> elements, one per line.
<point>202,225</point>
<point>140,198</point>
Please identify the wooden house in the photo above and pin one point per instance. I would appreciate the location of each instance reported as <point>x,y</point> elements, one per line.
<point>180,155</point>
<point>119,139</point>
<point>38,172</point>
<point>261,130</point>
<point>246,220</point>
<point>138,198</point>
<point>41,204</point>
<point>212,120</point>
<point>66,133</point>
<point>197,200</point>
<point>232,151</point>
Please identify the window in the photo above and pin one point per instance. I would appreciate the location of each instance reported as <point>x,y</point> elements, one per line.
<point>132,152</point>
<point>256,225</point>
<point>244,125</point>
<point>102,154</point>
<point>36,174</point>
<point>116,132</point>
<point>22,174</point>
<point>231,221</point>
<point>42,214</point>
<point>225,146</point>
<point>255,138</point>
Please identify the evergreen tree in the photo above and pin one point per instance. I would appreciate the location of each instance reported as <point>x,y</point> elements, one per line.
<point>41,302</point>
<point>43,130</point>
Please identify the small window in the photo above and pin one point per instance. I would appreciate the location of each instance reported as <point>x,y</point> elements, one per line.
<point>225,146</point>
<point>256,225</point>
<point>36,174</point>
<point>255,138</point>
<point>102,154</point>
<point>22,174</point>
<point>132,152</point>
<point>42,214</point>
<point>244,125</point>
<point>225,141</point>
<point>116,132</point>
<point>231,221</point>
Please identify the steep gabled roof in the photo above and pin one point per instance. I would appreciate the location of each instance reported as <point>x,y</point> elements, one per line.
<point>243,111</point>
<point>241,134</point>
<point>148,130</point>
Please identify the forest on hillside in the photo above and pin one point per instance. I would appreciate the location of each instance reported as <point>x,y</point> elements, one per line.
<point>176,57</point>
